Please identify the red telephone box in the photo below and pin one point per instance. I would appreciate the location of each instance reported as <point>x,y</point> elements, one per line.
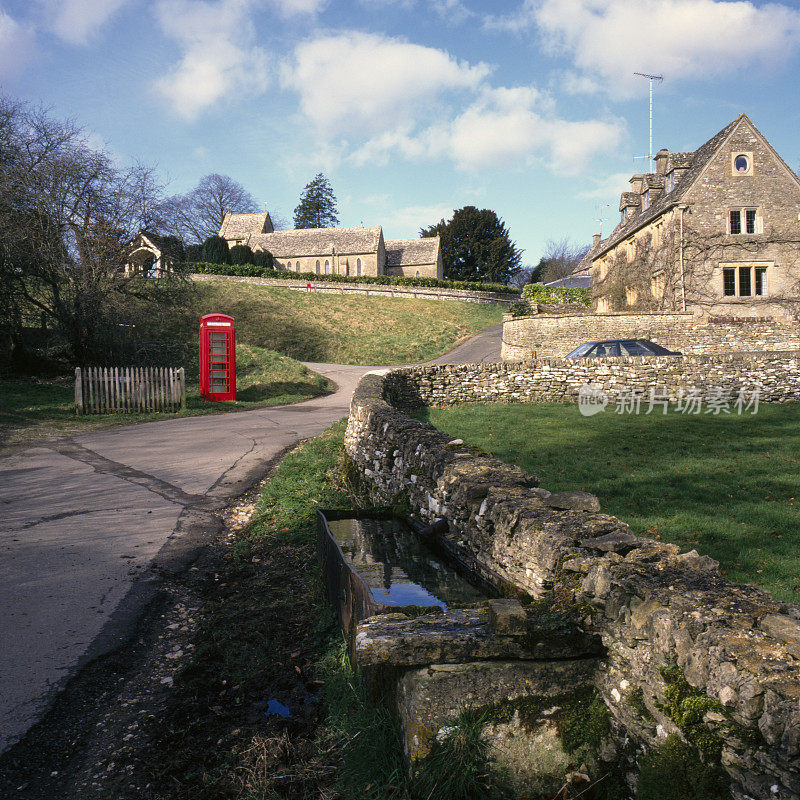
<point>217,357</point>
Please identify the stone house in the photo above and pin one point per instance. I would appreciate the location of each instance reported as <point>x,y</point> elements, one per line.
<point>715,231</point>
<point>335,251</point>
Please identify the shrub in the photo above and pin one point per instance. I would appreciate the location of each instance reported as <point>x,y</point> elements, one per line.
<point>216,268</point>
<point>194,252</point>
<point>546,295</point>
<point>263,258</point>
<point>215,250</point>
<point>242,254</point>
<point>519,308</point>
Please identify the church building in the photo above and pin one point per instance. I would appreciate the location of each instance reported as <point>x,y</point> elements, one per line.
<point>335,251</point>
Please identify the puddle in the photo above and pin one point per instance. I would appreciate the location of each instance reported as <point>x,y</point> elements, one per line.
<point>396,567</point>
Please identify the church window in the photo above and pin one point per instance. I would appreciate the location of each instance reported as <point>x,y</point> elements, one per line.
<point>358,266</point>
<point>317,267</point>
<point>417,275</point>
<point>327,267</point>
<point>297,266</point>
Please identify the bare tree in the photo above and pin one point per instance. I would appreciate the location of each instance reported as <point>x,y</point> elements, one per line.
<point>197,215</point>
<point>561,257</point>
<point>67,212</point>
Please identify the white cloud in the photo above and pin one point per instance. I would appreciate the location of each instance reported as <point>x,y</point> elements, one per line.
<point>408,220</point>
<point>17,46</point>
<point>503,126</point>
<point>677,38</point>
<point>218,56</point>
<point>290,8</point>
<point>364,84</point>
<point>76,21</point>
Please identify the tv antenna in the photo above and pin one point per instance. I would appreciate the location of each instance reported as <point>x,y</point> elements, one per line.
<point>600,218</point>
<point>651,78</point>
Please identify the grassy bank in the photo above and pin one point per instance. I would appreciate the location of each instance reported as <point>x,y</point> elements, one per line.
<point>724,485</point>
<point>31,408</point>
<point>270,634</point>
<point>346,329</point>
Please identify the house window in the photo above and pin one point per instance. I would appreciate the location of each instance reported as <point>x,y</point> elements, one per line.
<point>741,164</point>
<point>670,181</point>
<point>729,282</point>
<point>646,200</point>
<point>747,281</point>
<point>745,220</point>
<point>317,267</point>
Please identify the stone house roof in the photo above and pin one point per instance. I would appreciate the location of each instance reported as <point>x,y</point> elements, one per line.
<point>304,242</point>
<point>412,252</point>
<point>699,159</point>
<point>240,226</point>
<point>159,245</point>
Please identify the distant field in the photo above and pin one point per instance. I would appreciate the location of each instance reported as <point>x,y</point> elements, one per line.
<point>346,329</point>
<point>31,408</point>
<point>724,485</point>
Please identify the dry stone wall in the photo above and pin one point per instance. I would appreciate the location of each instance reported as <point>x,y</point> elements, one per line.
<point>775,376</point>
<point>652,606</point>
<point>555,335</point>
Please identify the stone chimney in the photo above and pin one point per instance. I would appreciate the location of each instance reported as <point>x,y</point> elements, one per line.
<point>595,239</point>
<point>661,158</point>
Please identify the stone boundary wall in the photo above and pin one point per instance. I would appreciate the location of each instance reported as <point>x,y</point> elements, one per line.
<point>372,289</point>
<point>776,377</point>
<point>553,336</point>
<point>652,606</point>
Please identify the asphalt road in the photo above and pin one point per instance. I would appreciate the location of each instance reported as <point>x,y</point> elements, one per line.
<point>89,524</point>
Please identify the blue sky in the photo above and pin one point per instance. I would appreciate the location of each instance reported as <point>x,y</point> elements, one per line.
<point>411,107</point>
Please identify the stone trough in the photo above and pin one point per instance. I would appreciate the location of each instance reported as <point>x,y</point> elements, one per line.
<point>435,636</point>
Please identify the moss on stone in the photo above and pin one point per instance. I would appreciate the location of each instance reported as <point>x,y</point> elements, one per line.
<point>635,702</point>
<point>585,722</point>
<point>674,771</point>
<point>686,707</point>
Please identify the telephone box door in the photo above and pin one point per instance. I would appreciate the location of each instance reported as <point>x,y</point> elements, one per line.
<point>217,357</point>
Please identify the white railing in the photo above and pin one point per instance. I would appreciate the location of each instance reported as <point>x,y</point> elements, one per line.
<point>111,390</point>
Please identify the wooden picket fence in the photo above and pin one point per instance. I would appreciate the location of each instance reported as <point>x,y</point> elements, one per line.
<point>111,390</point>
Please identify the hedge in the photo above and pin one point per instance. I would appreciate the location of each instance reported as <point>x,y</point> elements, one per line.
<point>539,293</point>
<point>251,271</point>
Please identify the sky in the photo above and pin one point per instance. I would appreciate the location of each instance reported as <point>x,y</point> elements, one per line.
<point>411,108</point>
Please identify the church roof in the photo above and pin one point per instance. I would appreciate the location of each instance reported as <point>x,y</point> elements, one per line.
<point>699,160</point>
<point>412,252</point>
<point>240,226</point>
<point>318,241</point>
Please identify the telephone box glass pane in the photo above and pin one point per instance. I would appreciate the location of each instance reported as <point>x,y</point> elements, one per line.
<point>219,351</point>
<point>219,373</point>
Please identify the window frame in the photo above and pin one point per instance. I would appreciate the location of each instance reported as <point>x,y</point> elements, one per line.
<point>742,215</point>
<point>751,276</point>
<point>671,181</point>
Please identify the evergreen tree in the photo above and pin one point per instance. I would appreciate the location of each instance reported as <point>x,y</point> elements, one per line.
<point>241,254</point>
<point>476,246</point>
<point>263,258</point>
<point>317,206</point>
<point>215,250</point>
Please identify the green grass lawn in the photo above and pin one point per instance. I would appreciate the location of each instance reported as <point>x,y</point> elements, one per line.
<point>346,329</point>
<point>31,409</point>
<point>727,486</point>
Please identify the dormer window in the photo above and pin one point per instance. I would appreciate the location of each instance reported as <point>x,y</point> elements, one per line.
<point>646,200</point>
<point>670,181</point>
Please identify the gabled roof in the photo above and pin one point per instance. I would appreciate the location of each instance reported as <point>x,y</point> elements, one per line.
<point>318,241</point>
<point>165,245</point>
<point>240,226</point>
<point>412,252</point>
<point>702,156</point>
